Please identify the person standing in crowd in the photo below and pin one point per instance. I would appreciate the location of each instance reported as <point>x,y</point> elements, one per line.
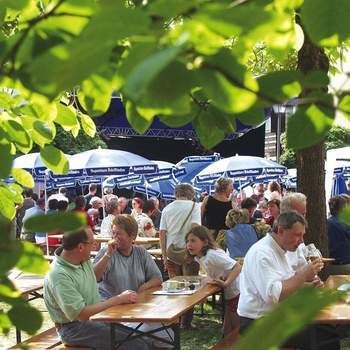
<point>214,208</point>
<point>80,205</point>
<point>222,269</point>
<point>259,193</point>
<point>28,202</point>
<point>112,210</point>
<point>156,214</point>
<point>176,221</point>
<point>137,205</point>
<point>92,193</point>
<point>267,278</point>
<point>274,191</point>
<point>144,221</point>
<point>35,237</point>
<point>338,236</point>
<point>123,206</point>
<point>71,296</point>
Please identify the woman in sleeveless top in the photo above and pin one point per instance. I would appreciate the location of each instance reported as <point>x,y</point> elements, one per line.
<point>214,208</point>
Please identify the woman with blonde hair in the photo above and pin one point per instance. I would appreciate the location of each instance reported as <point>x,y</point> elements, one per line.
<point>214,208</point>
<point>241,235</point>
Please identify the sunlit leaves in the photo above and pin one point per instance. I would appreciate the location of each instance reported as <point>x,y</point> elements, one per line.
<point>327,22</point>
<point>311,122</point>
<point>5,160</point>
<point>138,122</point>
<point>64,66</point>
<point>54,159</point>
<point>143,74</point>
<point>10,254</point>
<point>7,206</point>
<point>345,215</point>
<point>88,125</point>
<point>26,317</point>
<point>50,222</point>
<point>288,317</point>
<point>169,9</point>
<point>66,117</point>
<point>32,259</point>
<point>23,177</point>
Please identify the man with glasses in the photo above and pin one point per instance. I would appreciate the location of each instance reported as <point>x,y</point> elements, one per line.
<point>71,296</point>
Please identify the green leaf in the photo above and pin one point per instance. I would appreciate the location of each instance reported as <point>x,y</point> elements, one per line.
<point>54,159</point>
<point>7,206</point>
<point>59,69</point>
<point>32,260</point>
<point>69,221</point>
<point>175,121</point>
<point>137,121</point>
<point>309,125</point>
<point>18,135</point>
<point>10,254</point>
<point>95,92</point>
<point>143,74</point>
<point>13,192</point>
<point>42,132</point>
<point>26,318</point>
<point>326,22</point>
<point>66,116</point>
<point>280,86</point>
<point>5,323</point>
<point>345,215</point>
<point>167,94</point>
<point>5,159</point>
<point>314,80</point>
<point>344,105</point>
<point>88,125</point>
<point>288,317</point>
<point>170,9</point>
<point>23,177</point>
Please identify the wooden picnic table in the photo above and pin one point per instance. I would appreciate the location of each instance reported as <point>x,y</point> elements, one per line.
<point>338,313</point>
<point>28,285</point>
<point>164,309</point>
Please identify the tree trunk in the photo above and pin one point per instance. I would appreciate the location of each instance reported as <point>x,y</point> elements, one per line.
<point>311,161</point>
<point>311,182</point>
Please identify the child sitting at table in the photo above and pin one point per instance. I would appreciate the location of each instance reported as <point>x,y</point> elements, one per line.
<point>222,269</point>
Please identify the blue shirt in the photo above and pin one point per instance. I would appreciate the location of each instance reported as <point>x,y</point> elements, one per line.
<point>338,240</point>
<point>239,239</point>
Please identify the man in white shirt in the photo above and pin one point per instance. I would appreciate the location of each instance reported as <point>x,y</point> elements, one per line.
<point>268,277</point>
<point>176,221</point>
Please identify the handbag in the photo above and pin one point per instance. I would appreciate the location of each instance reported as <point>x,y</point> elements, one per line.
<point>175,254</point>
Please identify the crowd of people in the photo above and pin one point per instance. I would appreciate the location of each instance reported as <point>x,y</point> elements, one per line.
<point>219,235</point>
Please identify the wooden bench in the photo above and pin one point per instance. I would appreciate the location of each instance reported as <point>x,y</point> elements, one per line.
<point>228,342</point>
<point>47,340</point>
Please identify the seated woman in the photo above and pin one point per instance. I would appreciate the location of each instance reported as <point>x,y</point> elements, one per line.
<point>241,235</point>
<point>122,266</point>
<point>338,236</point>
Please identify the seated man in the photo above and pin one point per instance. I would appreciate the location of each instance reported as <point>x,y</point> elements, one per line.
<point>267,277</point>
<point>71,296</point>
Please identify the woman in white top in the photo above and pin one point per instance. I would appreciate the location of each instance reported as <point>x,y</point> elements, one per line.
<point>112,209</point>
<point>222,269</point>
<point>137,205</point>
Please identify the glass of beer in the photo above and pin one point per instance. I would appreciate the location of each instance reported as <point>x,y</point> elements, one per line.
<point>311,253</point>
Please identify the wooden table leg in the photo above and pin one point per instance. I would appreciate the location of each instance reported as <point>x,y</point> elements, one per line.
<point>18,335</point>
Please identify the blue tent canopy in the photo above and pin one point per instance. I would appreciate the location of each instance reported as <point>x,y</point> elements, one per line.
<point>115,123</point>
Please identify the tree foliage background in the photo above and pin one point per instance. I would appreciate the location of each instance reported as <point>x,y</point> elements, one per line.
<point>184,61</point>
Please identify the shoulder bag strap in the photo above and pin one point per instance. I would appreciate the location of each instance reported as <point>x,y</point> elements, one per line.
<point>189,214</point>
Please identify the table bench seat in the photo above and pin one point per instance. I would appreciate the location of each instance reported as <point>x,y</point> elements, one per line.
<point>48,339</point>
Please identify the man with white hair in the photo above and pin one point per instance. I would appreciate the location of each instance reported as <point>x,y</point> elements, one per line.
<point>295,201</point>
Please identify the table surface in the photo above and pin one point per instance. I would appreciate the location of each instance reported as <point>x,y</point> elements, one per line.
<point>338,313</point>
<point>156,308</point>
<point>26,283</point>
